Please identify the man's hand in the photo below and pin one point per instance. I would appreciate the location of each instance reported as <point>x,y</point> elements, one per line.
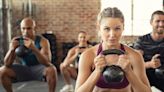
<point>155,61</point>
<point>14,43</point>
<point>29,43</point>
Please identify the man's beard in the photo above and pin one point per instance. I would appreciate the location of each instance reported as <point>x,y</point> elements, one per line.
<point>160,32</point>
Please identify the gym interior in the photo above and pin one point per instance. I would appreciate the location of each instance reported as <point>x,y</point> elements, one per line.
<point>60,21</point>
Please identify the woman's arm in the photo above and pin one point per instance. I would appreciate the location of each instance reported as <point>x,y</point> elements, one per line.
<point>71,57</point>
<point>137,77</point>
<point>87,78</point>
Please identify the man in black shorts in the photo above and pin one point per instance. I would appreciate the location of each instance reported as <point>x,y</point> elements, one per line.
<point>151,46</point>
<point>35,65</point>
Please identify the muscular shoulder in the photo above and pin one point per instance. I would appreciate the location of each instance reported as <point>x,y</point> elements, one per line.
<point>42,38</point>
<point>43,41</point>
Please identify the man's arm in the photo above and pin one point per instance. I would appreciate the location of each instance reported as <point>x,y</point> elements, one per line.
<point>9,58</point>
<point>43,55</point>
<point>10,55</point>
<point>139,48</point>
<point>154,62</point>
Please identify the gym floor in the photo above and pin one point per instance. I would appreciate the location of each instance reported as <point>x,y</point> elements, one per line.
<point>35,86</point>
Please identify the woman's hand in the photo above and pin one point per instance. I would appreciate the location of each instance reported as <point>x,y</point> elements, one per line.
<point>124,63</point>
<point>100,62</point>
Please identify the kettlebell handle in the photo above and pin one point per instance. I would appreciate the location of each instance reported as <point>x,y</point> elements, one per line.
<point>21,40</point>
<point>113,51</point>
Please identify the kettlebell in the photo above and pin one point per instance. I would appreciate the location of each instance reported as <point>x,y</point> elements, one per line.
<point>82,47</point>
<point>78,56</point>
<point>159,72</point>
<point>21,50</point>
<point>113,73</point>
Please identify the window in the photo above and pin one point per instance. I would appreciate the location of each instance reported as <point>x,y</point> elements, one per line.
<point>137,14</point>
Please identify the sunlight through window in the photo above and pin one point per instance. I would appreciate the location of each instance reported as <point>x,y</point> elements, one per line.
<point>137,14</point>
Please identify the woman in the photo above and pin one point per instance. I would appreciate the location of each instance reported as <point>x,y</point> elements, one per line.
<point>69,66</point>
<point>92,62</point>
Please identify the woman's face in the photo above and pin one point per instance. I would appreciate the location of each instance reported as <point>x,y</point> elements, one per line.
<point>82,38</point>
<point>111,30</point>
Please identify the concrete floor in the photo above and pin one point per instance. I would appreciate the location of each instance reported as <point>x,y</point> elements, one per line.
<point>35,86</point>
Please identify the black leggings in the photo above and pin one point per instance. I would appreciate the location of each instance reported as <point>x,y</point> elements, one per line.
<point>154,81</point>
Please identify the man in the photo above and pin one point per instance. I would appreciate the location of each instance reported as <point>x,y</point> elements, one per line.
<point>151,47</point>
<point>69,67</point>
<point>35,65</point>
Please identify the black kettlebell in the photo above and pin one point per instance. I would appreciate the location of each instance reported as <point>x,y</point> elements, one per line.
<point>159,72</point>
<point>78,56</point>
<point>21,50</point>
<point>82,47</point>
<point>113,73</point>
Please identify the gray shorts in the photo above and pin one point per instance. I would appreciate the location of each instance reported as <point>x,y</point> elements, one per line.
<point>28,73</point>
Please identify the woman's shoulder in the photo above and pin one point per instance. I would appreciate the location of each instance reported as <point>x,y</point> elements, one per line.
<point>89,55</point>
<point>73,49</point>
<point>91,51</point>
<point>135,57</point>
<point>131,52</point>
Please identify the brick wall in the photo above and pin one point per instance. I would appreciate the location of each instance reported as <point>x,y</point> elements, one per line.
<point>62,17</point>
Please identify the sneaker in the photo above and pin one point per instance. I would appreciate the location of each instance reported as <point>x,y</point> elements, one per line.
<point>67,88</point>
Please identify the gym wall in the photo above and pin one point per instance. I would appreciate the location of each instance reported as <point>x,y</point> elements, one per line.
<point>64,18</point>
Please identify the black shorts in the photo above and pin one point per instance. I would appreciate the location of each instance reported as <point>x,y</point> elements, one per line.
<point>28,73</point>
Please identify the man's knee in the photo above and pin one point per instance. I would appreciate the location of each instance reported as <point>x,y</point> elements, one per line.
<point>6,72</point>
<point>51,70</point>
<point>51,74</point>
